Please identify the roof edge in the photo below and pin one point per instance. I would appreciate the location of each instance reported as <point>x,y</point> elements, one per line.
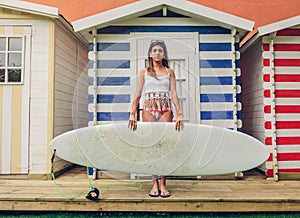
<point>137,7</point>
<point>293,21</point>
<point>29,7</point>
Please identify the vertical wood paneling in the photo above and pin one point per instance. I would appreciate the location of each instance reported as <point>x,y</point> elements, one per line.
<point>16,126</point>
<point>1,121</point>
<point>6,129</point>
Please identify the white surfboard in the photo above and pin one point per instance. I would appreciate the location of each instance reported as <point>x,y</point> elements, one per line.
<point>158,149</point>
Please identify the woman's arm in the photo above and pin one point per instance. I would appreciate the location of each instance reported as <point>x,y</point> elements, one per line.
<point>132,124</point>
<point>179,121</point>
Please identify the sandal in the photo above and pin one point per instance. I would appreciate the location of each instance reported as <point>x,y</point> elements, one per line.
<point>165,194</point>
<point>154,193</point>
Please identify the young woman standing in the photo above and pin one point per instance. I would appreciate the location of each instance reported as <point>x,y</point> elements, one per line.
<point>159,84</point>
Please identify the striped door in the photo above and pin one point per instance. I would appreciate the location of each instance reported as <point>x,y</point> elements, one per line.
<point>282,101</point>
<point>14,100</point>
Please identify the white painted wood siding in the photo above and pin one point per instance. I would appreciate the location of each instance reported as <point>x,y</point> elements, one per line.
<point>252,89</point>
<point>71,85</point>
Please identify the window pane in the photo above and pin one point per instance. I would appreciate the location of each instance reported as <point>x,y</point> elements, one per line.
<point>15,60</point>
<point>15,44</point>
<point>2,43</point>
<point>2,75</point>
<point>2,59</point>
<point>14,75</point>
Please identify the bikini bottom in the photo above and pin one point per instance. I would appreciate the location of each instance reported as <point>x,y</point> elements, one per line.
<point>157,114</point>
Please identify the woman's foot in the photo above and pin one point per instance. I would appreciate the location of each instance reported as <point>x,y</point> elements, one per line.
<point>154,193</point>
<point>165,193</point>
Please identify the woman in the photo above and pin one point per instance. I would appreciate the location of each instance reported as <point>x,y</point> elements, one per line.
<point>158,81</point>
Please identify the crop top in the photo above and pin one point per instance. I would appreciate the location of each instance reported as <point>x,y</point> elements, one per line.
<point>162,84</point>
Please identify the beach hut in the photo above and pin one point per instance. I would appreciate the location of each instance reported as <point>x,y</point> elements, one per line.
<point>42,67</point>
<point>203,48</point>
<point>271,98</point>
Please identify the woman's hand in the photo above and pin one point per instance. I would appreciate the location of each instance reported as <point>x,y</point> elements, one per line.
<point>132,124</point>
<point>179,123</point>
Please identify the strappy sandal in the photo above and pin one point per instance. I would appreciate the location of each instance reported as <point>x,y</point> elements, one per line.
<point>165,194</point>
<point>154,193</point>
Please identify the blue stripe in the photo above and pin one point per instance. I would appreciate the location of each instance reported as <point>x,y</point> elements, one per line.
<point>239,97</point>
<point>123,98</point>
<point>214,46</point>
<point>91,81</point>
<point>237,63</point>
<point>210,80</point>
<point>91,64</point>
<point>110,116</point>
<point>113,81</point>
<point>237,46</point>
<point>91,99</point>
<point>239,115</point>
<point>238,80</point>
<point>113,64</point>
<point>216,115</point>
<point>216,98</point>
<point>215,64</point>
<point>129,29</point>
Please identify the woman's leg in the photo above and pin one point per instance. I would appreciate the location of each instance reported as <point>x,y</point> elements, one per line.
<point>166,117</point>
<point>155,192</point>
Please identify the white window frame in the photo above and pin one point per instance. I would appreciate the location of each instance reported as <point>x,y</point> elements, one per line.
<point>6,52</point>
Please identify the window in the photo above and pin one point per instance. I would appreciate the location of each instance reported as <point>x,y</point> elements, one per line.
<point>11,60</point>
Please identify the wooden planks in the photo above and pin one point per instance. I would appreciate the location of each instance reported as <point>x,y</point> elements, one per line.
<point>252,194</point>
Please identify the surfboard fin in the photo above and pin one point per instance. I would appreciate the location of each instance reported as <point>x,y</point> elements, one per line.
<point>93,195</point>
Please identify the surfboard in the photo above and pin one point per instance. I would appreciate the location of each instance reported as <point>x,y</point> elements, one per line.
<point>158,149</point>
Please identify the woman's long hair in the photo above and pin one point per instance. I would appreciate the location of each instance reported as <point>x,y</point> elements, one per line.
<point>165,60</point>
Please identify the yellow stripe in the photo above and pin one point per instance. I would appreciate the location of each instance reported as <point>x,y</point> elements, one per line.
<point>18,30</point>
<point>51,89</point>
<point>1,120</point>
<point>16,125</point>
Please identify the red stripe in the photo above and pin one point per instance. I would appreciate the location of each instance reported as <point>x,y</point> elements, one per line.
<point>288,32</point>
<point>287,124</point>
<point>267,93</point>
<point>283,125</point>
<point>282,47</point>
<point>286,157</point>
<point>266,62</point>
<point>287,109</point>
<point>287,78</point>
<point>287,47</point>
<point>283,78</point>
<point>266,47</point>
<point>268,125</point>
<point>268,140</point>
<point>270,173</point>
<point>285,62</point>
<point>267,77</point>
<point>267,109</point>
<point>293,170</point>
<point>287,93</point>
<point>287,140</point>
<point>283,140</point>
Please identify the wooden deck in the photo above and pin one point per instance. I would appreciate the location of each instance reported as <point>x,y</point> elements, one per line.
<point>210,194</point>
